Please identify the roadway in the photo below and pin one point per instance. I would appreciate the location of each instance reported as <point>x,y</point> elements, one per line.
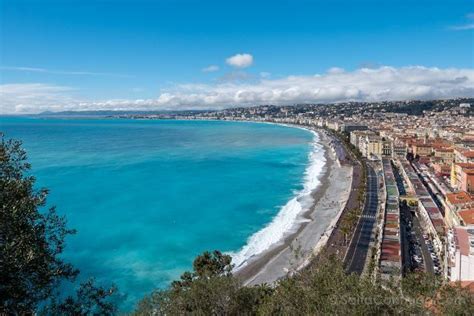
<point>359,246</point>
<point>428,262</point>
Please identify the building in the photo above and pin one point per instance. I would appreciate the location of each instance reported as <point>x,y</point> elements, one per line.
<point>347,127</point>
<point>430,215</point>
<point>446,155</point>
<point>455,203</point>
<point>356,136</point>
<point>441,169</point>
<point>467,216</point>
<point>422,150</point>
<point>371,146</point>
<point>462,176</point>
<point>467,180</point>
<point>399,149</point>
<point>463,155</point>
<point>390,261</point>
<point>386,148</point>
<point>460,250</point>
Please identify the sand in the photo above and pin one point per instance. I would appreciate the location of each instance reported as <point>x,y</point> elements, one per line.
<point>298,248</point>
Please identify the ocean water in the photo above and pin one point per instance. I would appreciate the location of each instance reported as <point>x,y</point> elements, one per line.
<point>146,197</point>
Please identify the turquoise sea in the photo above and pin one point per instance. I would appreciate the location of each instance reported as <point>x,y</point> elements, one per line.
<point>147,196</point>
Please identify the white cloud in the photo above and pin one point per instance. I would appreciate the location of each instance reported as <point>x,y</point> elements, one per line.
<point>211,68</point>
<point>463,27</point>
<point>36,97</point>
<point>469,26</point>
<point>382,83</point>
<point>265,74</point>
<point>63,72</point>
<point>240,60</point>
<point>335,70</point>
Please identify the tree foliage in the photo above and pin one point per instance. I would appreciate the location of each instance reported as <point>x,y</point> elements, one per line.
<point>32,238</point>
<point>210,289</point>
<point>322,289</point>
<point>89,299</point>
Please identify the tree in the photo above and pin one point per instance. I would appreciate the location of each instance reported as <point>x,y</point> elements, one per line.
<point>326,289</point>
<point>212,264</point>
<point>210,289</point>
<point>323,288</point>
<point>89,299</point>
<point>31,238</point>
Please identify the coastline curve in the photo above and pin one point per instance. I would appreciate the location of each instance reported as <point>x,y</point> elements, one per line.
<point>291,215</point>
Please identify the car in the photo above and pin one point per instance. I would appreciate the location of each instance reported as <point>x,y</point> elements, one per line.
<point>425,236</point>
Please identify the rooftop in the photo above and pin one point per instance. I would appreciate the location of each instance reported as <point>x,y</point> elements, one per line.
<point>467,216</point>
<point>461,197</point>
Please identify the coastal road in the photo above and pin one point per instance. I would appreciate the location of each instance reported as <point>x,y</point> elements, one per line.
<point>336,245</point>
<point>359,246</point>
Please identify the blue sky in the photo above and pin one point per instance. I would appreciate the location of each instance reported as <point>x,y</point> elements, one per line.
<point>94,51</point>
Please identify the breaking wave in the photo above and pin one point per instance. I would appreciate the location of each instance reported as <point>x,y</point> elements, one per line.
<point>289,217</point>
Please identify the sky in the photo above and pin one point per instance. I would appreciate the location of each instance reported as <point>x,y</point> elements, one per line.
<point>188,54</point>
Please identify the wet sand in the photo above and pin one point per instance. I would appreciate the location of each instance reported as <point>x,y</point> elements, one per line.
<point>300,247</point>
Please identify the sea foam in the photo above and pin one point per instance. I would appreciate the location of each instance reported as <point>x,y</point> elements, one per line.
<point>289,217</point>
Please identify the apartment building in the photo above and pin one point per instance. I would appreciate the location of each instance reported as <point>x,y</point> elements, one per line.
<point>462,176</point>
<point>455,203</point>
<point>463,155</point>
<point>460,254</point>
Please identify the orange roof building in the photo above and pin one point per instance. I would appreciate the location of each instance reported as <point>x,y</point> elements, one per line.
<point>467,216</point>
<point>458,202</point>
<point>459,198</point>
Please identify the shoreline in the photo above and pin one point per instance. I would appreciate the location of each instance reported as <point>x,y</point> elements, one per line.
<point>316,223</point>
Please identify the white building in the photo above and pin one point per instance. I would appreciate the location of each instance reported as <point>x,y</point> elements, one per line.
<point>460,259</point>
